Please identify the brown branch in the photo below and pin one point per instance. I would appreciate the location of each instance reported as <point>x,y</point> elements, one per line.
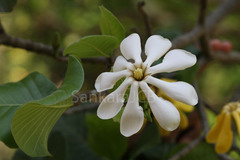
<point>41,48</point>
<point>218,14</point>
<point>145,17</point>
<point>202,12</point>
<point>204,40</point>
<point>211,21</point>
<point>185,39</point>
<point>232,57</point>
<point>30,46</point>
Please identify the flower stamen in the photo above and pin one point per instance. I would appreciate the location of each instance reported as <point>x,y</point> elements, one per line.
<point>138,74</point>
<point>232,107</point>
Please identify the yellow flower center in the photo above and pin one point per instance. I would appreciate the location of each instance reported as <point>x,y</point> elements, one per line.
<point>232,107</point>
<point>138,74</point>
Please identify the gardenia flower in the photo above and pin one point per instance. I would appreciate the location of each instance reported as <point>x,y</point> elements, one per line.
<point>140,74</point>
<point>221,133</point>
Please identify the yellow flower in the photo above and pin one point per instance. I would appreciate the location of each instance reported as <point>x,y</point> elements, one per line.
<point>221,133</point>
<point>181,107</point>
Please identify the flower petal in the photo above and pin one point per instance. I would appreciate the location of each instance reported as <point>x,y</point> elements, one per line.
<point>236,117</point>
<point>184,120</point>
<point>213,134</point>
<point>163,132</point>
<point>113,103</point>
<point>155,47</point>
<point>165,113</point>
<point>174,60</point>
<point>106,80</point>
<point>133,117</point>
<point>180,91</point>
<point>121,64</point>
<point>131,48</point>
<point>225,138</point>
<point>182,106</point>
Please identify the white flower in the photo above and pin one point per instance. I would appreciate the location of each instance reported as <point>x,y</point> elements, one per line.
<point>138,74</point>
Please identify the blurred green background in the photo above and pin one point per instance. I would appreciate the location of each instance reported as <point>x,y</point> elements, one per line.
<point>73,19</point>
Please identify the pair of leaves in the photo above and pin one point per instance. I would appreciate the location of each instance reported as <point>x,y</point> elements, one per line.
<point>39,105</point>
<point>99,45</point>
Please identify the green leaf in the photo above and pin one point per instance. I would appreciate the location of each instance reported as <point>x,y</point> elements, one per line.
<point>110,25</point>
<point>33,121</point>
<point>150,137</point>
<point>70,144</point>
<point>104,137</point>
<point>57,146</point>
<point>92,46</point>
<point>159,152</point>
<point>7,5</point>
<point>74,129</point>
<point>13,95</point>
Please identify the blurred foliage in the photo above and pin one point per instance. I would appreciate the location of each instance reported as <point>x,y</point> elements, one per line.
<point>219,82</point>
<point>7,5</point>
<point>73,19</point>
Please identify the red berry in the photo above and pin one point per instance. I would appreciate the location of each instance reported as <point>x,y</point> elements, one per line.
<point>226,46</point>
<point>215,44</point>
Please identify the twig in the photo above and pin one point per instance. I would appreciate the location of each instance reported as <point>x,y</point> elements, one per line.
<point>145,17</point>
<point>188,148</point>
<point>203,115</point>
<point>78,109</point>
<point>92,98</point>
<point>224,157</point>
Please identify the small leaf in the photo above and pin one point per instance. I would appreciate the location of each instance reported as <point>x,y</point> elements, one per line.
<point>33,121</point>
<point>104,137</point>
<point>110,25</point>
<point>92,46</point>
<point>7,5</point>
